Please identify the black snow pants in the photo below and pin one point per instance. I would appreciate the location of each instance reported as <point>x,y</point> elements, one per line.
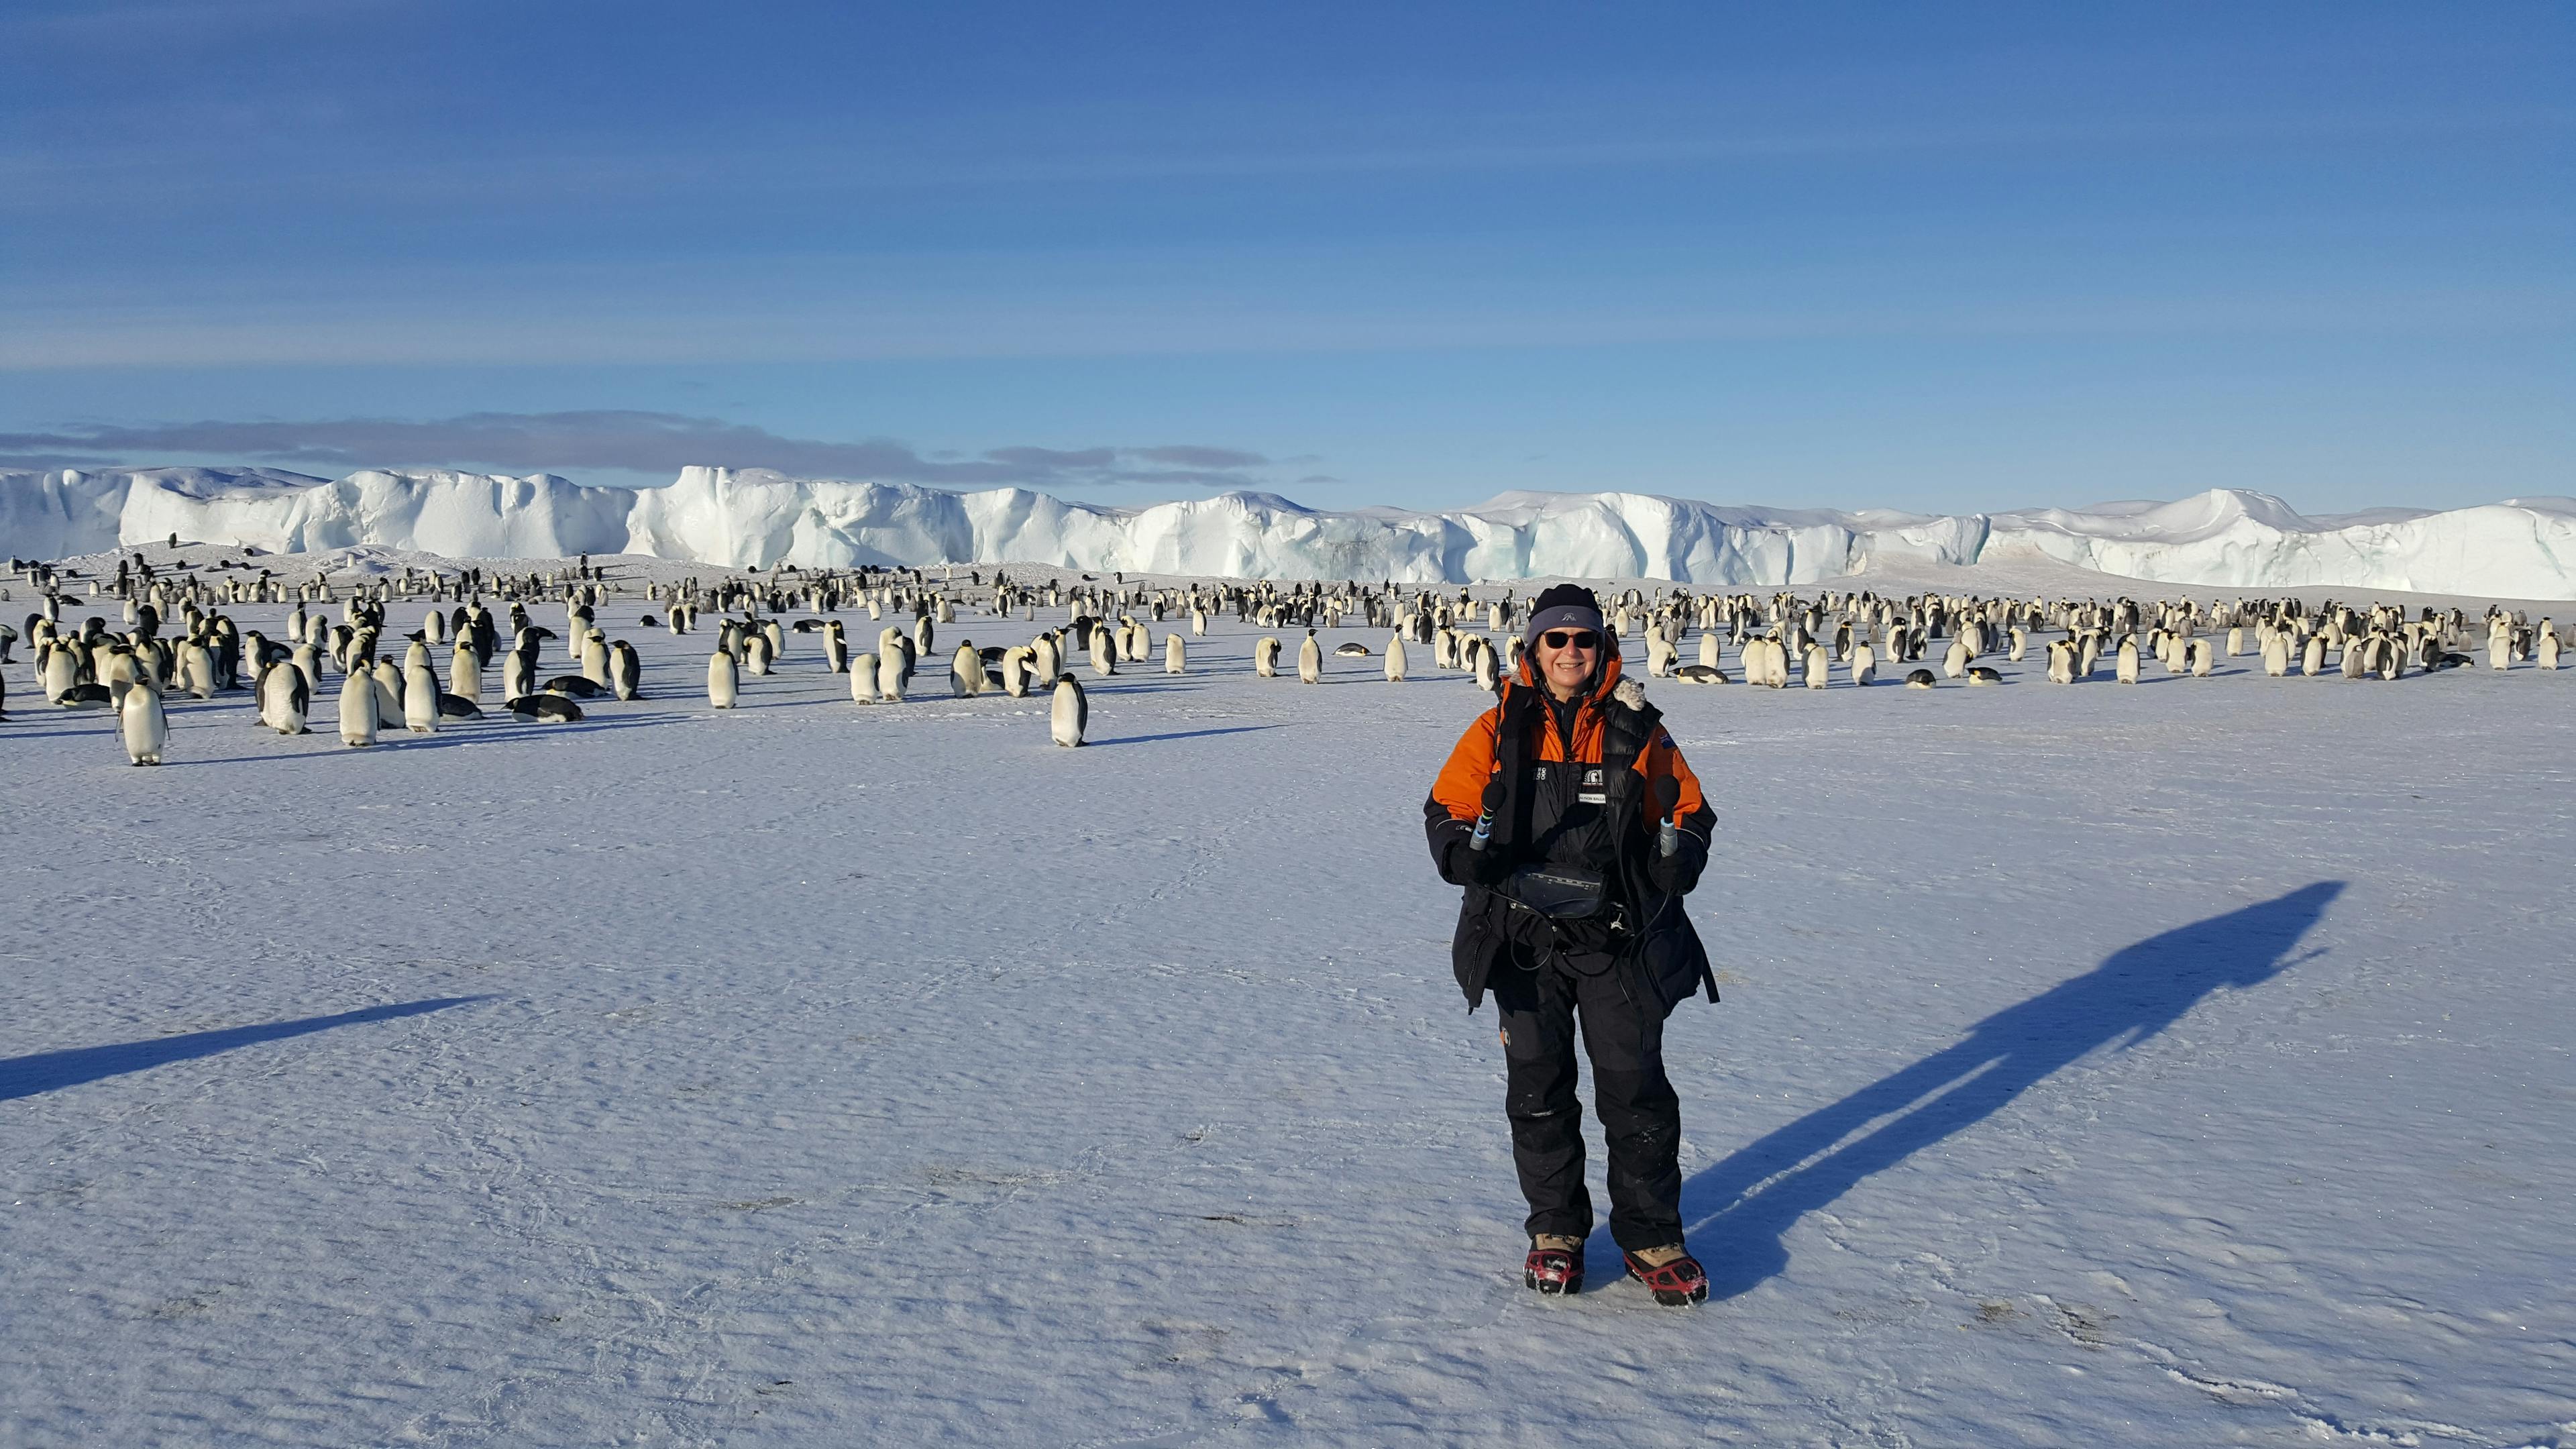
<point>1641,1116</point>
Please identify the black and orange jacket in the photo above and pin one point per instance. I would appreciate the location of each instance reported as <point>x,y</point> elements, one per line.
<point>1657,949</point>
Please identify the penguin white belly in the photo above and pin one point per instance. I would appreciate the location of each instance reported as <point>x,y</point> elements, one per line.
<point>145,725</point>
<point>722,684</point>
<point>1069,714</point>
<point>420,700</point>
<point>358,708</point>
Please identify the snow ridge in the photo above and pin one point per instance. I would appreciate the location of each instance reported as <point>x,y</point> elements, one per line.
<point>753,517</point>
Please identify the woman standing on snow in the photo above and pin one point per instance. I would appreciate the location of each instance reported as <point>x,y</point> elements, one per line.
<point>1569,817</point>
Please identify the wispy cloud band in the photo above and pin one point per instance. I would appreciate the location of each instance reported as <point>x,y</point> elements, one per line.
<point>633,441</point>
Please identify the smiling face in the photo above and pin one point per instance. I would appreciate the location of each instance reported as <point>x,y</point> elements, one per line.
<point>1565,669</point>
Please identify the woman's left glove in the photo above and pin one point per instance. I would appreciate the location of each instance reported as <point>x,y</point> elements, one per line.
<point>1676,873</point>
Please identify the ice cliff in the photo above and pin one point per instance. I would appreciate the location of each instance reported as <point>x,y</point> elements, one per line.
<point>753,517</point>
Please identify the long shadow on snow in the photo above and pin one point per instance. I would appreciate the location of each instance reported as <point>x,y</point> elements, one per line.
<point>1745,1205</point>
<point>28,1076</point>
<point>1183,735</point>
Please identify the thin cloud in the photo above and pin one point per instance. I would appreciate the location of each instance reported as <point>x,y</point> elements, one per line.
<point>631,441</point>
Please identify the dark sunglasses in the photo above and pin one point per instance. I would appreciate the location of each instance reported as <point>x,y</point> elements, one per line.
<point>1559,639</point>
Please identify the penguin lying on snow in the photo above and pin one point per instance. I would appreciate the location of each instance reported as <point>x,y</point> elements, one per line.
<point>577,685</point>
<point>1919,679</point>
<point>457,706</point>
<point>533,707</point>
<point>1980,674</point>
<point>1353,651</point>
<point>1700,674</point>
<point>86,696</point>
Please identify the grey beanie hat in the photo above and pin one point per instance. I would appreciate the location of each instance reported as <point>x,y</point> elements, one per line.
<point>1567,606</point>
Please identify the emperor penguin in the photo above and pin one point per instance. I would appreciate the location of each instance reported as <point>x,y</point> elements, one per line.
<point>723,679</point>
<point>1310,660</point>
<point>965,670</point>
<point>388,689</point>
<point>1954,663</point>
<point>625,670</point>
<point>197,670</point>
<point>755,652</point>
<point>893,669</point>
<point>777,638</point>
<point>308,662</point>
<point>2201,662</point>
<point>863,679</point>
<point>1488,669</point>
<point>1176,657</point>
<point>1395,658</point>
<point>358,708</point>
<point>1864,661</point>
<point>2545,655</point>
<point>420,699</point>
<point>2312,660</point>
<point>594,658</point>
<point>1708,648</point>
<point>518,673</point>
<point>1069,714</point>
<point>1046,660</point>
<point>921,636</point>
<point>416,653</point>
<point>2020,649</point>
<point>1820,664</point>
<point>283,698</point>
<point>2276,654</point>
<point>2061,662</point>
<point>2126,670</point>
<point>145,724</point>
<point>836,648</point>
<point>1919,679</point>
<point>465,672</point>
<point>1104,651</point>
<point>1659,656</point>
<point>1265,656</point>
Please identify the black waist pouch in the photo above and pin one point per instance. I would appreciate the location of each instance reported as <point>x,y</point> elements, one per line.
<point>1558,892</point>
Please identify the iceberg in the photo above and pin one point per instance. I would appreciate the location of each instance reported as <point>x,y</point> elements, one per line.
<point>757,518</point>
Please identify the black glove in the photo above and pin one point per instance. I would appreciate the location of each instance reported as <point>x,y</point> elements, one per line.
<point>1488,867</point>
<point>1676,873</point>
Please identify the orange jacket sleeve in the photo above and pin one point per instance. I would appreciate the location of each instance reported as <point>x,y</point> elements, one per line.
<point>1461,785</point>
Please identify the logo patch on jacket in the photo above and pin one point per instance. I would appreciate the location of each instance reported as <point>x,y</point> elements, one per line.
<point>1593,792</point>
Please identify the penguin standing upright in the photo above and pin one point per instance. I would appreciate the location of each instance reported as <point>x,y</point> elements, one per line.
<point>1176,661</point>
<point>358,708</point>
<point>723,683</point>
<point>420,699</point>
<point>283,698</point>
<point>863,679</point>
<point>892,668</point>
<point>1395,658</point>
<point>1069,714</point>
<point>1310,660</point>
<point>836,648</point>
<point>625,670</point>
<point>965,670</point>
<point>1864,662</point>
<point>145,725</point>
<point>465,672</point>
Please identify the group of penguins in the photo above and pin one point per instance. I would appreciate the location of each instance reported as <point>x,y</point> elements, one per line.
<point>130,671</point>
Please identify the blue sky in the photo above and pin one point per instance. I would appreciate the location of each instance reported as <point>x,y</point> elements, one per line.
<point>1940,257</point>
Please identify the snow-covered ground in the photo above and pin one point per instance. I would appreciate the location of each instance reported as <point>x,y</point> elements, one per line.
<point>2177,1064</point>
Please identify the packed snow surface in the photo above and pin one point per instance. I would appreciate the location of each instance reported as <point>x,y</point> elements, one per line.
<point>2172,1064</point>
<point>750,517</point>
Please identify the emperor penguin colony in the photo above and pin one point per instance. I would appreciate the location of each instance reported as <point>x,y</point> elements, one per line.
<point>203,623</point>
